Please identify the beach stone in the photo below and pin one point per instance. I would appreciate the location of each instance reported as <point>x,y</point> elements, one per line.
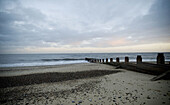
<point>72,91</point>
<point>80,101</point>
<point>127,98</point>
<point>20,98</point>
<point>165,95</point>
<point>135,97</point>
<point>148,97</point>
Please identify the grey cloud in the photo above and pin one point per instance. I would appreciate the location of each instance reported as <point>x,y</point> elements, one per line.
<point>154,27</point>
<point>13,33</point>
<point>79,23</point>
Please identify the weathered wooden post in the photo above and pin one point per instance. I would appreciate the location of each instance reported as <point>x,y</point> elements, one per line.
<point>160,58</point>
<point>95,61</point>
<point>111,60</point>
<point>139,59</point>
<point>126,59</point>
<point>106,60</point>
<point>102,60</point>
<point>117,60</point>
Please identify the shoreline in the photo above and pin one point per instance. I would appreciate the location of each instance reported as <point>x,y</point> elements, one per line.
<point>18,71</point>
<point>22,67</point>
<point>29,67</point>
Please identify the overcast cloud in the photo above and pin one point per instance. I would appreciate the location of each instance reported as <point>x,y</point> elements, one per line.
<point>35,26</point>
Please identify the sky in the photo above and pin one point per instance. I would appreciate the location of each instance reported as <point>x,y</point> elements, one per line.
<point>84,26</point>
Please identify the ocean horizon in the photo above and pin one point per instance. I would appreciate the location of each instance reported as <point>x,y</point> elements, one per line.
<point>20,60</point>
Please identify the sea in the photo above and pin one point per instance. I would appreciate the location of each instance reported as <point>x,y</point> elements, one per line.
<point>20,60</point>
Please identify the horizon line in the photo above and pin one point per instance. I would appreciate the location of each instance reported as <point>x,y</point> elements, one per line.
<point>86,52</point>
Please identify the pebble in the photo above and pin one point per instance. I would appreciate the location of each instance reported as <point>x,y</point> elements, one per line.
<point>164,94</point>
<point>148,97</point>
<point>80,101</point>
<point>135,97</point>
<point>90,100</point>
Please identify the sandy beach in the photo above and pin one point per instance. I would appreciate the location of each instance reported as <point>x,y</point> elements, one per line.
<point>80,84</point>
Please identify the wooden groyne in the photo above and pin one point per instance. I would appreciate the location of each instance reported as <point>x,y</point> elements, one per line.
<point>139,66</point>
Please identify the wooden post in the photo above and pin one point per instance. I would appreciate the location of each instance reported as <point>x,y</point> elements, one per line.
<point>102,60</point>
<point>160,58</point>
<point>117,60</point>
<point>139,59</point>
<point>95,61</point>
<point>106,60</point>
<point>126,59</point>
<point>111,60</point>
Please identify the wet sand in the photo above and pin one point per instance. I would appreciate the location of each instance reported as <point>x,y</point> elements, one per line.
<point>85,84</point>
<point>50,77</point>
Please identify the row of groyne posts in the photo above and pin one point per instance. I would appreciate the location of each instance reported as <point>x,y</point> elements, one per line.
<point>160,59</point>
